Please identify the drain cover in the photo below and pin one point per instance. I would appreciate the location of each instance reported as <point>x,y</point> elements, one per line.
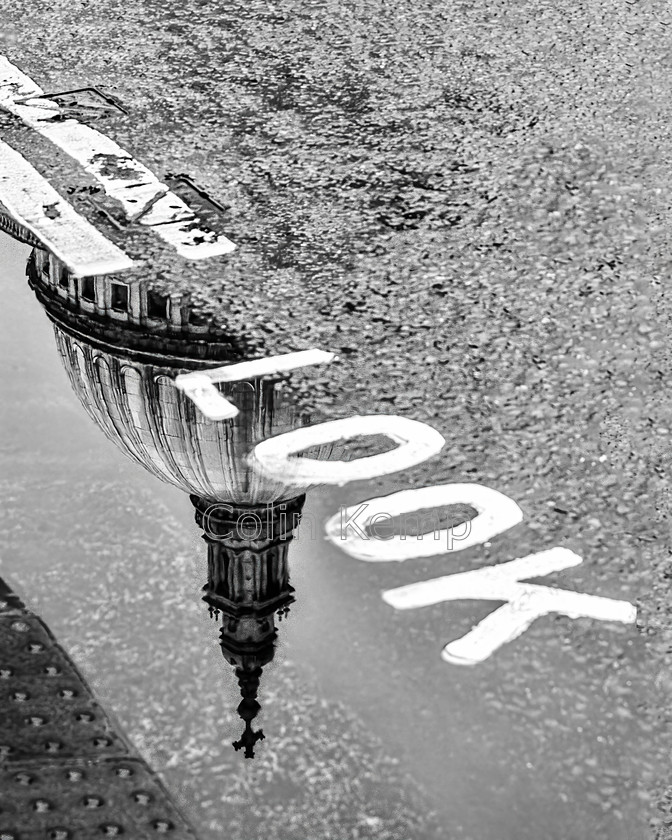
<point>208,210</point>
<point>88,102</point>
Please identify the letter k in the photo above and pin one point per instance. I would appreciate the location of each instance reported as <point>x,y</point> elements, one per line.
<point>350,523</point>
<point>524,602</point>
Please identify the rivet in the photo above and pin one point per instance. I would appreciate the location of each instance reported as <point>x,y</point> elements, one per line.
<point>53,746</point>
<point>111,829</point>
<point>92,802</point>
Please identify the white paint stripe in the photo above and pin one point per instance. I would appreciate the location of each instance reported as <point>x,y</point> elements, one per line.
<point>416,443</point>
<point>263,367</point>
<point>209,401</point>
<point>123,178</point>
<point>524,601</point>
<point>26,194</point>
<point>213,404</point>
<point>496,513</point>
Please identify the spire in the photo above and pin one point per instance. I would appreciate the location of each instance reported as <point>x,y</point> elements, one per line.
<point>248,709</point>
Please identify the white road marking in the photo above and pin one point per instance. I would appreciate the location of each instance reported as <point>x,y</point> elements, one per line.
<point>524,601</point>
<point>416,443</point>
<point>35,204</point>
<point>209,401</point>
<point>262,367</point>
<point>496,513</point>
<point>199,385</point>
<point>122,177</point>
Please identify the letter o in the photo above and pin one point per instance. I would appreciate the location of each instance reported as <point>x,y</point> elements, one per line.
<point>241,532</point>
<point>416,443</point>
<point>495,513</point>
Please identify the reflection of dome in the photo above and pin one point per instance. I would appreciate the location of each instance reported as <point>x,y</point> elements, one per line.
<point>140,409</point>
<point>123,346</point>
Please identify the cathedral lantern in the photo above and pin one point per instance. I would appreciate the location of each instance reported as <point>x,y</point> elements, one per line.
<point>248,588</point>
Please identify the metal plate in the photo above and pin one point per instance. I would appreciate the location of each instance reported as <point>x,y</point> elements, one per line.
<point>65,773</point>
<point>78,801</point>
<point>210,211</point>
<point>89,102</point>
<point>46,709</point>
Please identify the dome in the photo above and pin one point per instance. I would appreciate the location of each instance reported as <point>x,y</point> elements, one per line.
<point>139,408</point>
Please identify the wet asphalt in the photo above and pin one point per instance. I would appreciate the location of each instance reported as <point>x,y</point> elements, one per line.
<point>467,202</point>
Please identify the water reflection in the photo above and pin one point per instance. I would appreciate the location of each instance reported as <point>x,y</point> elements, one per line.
<point>248,586</point>
<point>122,346</point>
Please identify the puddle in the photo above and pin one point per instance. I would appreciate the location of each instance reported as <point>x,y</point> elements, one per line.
<point>253,662</point>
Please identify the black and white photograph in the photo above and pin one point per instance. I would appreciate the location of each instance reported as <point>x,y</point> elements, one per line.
<point>335,433</point>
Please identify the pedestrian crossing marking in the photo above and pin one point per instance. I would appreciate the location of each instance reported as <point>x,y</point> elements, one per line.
<point>36,205</point>
<point>122,177</point>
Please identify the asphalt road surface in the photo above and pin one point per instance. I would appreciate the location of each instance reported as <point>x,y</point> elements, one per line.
<point>468,203</point>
